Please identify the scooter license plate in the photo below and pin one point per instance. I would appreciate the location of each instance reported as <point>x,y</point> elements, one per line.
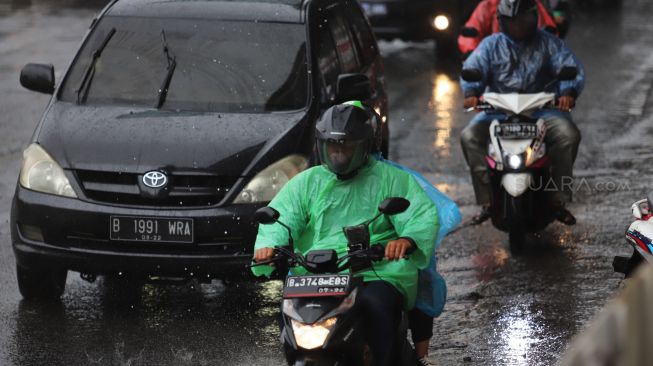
<point>516,131</point>
<point>316,286</point>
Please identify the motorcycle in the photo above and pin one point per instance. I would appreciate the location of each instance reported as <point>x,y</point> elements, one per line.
<point>517,160</point>
<point>321,322</point>
<point>640,237</point>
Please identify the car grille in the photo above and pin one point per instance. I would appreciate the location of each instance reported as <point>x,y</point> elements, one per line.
<point>183,189</point>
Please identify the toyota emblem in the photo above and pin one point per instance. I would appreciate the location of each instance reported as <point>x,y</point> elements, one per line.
<point>155,179</point>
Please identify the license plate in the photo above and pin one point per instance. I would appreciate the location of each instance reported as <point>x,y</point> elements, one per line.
<point>516,131</point>
<point>163,230</point>
<point>371,9</point>
<point>316,285</point>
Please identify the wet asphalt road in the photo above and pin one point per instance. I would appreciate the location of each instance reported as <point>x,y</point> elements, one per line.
<point>501,310</point>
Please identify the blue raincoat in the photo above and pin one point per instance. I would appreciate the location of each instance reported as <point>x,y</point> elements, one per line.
<point>432,289</point>
<point>508,66</point>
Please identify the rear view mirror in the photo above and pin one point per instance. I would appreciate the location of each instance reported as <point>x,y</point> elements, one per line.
<point>471,75</point>
<point>640,209</point>
<point>394,205</point>
<point>568,73</point>
<point>38,77</point>
<point>353,87</point>
<point>469,32</point>
<point>266,215</point>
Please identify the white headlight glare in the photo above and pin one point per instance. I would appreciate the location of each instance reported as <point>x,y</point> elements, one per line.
<point>42,174</point>
<point>269,182</point>
<point>311,336</point>
<point>515,161</point>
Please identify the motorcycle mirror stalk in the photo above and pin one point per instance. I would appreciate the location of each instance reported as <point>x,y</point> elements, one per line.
<point>268,215</point>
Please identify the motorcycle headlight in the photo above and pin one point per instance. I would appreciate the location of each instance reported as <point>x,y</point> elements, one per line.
<point>515,161</point>
<point>269,182</point>
<point>42,174</point>
<point>311,336</point>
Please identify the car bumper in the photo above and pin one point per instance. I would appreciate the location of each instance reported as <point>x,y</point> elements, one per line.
<point>74,234</point>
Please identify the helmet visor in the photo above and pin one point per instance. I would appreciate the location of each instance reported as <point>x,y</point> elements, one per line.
<point>342,157</point>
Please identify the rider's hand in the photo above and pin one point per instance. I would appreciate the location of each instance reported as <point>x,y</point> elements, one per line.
<point>470,102</point>
<point>396,249</point>
<point>263,254</point>
<point>566,103</point>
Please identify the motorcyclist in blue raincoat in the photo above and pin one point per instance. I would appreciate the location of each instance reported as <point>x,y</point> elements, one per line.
<point>523,59</point>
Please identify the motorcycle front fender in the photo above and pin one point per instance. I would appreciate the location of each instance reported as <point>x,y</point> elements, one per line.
<point>516,183</point>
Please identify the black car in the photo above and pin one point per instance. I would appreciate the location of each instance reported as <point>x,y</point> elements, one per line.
<point>420,20</point>
<point>175,121</point>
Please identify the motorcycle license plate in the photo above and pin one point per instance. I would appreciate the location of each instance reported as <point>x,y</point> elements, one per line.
<point>316,285</point>
<point>162,230</point>
<point>516,131</point>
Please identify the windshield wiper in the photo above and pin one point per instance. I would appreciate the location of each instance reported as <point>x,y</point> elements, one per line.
<point>84,86</point>
<point>172,63</point>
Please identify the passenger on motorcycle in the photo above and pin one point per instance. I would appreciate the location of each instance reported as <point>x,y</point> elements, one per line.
<point>523,59</point>
<point>485,21</point>
<point>345,190</point>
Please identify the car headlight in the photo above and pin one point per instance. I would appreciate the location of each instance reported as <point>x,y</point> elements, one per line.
<point>311,336</point>
<point>441,22</point>
<point>42,174</point>
<point>269,182</point>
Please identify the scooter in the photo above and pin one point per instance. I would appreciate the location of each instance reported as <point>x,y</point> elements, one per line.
<point>640,237</point>
<point>517,160</point>
<point>321,322</point>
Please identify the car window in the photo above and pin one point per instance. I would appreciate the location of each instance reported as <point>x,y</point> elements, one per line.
<point>221,66</point>
<point>344,43</point>
<point>327,59</point>
<point>362,34</point>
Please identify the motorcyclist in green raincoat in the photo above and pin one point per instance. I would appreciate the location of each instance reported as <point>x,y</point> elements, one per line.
<point>346,190</point>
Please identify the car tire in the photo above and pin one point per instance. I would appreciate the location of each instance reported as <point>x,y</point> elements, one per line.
<point>41,284</point>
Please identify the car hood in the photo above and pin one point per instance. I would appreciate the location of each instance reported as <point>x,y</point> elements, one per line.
<point>135,141</point>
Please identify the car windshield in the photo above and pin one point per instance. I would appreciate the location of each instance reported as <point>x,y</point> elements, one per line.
<point>219,66</point>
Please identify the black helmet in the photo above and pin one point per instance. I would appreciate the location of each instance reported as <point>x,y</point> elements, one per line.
<point>345,138</point>
<point>518,18</point>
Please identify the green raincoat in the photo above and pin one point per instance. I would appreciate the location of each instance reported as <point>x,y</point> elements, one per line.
<point>316,206</point>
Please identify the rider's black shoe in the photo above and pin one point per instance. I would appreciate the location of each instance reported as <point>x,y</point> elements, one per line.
<point>482,216</point>
<point>564,216</point>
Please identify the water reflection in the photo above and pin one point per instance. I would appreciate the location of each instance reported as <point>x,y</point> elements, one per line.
<point>444,98</point>
<point>150,324</point>
<point>489,260</point>
<point>517,331</point>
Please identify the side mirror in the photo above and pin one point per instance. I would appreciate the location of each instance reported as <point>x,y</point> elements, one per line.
<point>394,205</point>
<point>266,215</point>
<point>640,209</point>
<point>469,32</point>
<point>353,87</point>
<point>568,73</point>
<point>471,75</point>
<point>38,77</point>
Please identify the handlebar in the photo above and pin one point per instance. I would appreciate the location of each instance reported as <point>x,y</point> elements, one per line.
<point>283,257</point>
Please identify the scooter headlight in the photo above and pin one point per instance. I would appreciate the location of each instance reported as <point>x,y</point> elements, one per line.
<point>269,182</point>
<point>41,173</point>
<point>515,161</point>
<point>311,336</point>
